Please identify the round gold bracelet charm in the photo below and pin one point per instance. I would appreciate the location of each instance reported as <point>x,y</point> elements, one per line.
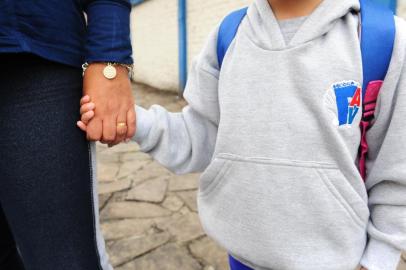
<point>110,71</point>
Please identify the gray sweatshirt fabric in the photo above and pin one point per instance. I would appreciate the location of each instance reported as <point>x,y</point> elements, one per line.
<point>280,188</point>
<point>289,27</point>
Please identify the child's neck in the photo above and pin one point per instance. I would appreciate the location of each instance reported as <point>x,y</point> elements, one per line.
<point>288,9</point>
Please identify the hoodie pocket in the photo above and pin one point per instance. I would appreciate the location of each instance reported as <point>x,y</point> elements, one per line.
<point>283,214</point>
<point>214,174</point>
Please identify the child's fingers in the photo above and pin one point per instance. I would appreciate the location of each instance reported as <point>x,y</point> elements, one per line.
<point>87,107</point>
<point>85,99</point>
<point>81,125</point>
<point>86,117</point>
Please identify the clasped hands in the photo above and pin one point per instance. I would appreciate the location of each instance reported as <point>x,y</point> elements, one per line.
<point>110,117</point>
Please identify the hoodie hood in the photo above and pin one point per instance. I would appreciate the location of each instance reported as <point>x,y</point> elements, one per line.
<point>265,30</point>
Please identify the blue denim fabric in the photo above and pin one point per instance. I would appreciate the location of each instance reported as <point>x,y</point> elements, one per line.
<point>45,170</point>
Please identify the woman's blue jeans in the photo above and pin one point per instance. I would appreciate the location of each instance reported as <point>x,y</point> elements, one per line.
<point>48,203</point>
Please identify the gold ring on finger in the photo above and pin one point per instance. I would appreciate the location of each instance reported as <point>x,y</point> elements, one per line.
<point>121,125</point>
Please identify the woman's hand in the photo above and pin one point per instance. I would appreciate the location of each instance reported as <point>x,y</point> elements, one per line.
<point>114,119</point>
<point>87,108</point>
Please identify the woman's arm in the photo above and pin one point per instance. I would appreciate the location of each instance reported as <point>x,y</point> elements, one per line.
<point>108,31</point>
<point>183,142</point>
<point>108,40</point>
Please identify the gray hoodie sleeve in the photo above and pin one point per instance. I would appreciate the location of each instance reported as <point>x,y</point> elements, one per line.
<point>184,142</point>
<point>386,181</point>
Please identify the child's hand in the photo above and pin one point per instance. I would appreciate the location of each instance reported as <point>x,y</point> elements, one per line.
<point>86,112</point>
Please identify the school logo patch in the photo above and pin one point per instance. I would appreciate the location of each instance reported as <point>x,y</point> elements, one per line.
<point>344,101</point>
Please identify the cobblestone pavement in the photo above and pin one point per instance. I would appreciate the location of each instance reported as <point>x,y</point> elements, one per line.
<point>402,8</point>
<point>149,216</point>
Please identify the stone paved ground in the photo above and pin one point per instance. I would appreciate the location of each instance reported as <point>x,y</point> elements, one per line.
<point>148,215</point>
<point>402,8</point>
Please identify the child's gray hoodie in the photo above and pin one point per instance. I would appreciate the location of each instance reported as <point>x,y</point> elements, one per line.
<point>280,188</point>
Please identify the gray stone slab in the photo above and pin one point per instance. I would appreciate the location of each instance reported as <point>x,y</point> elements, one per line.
<point>118,229</point>
<point>105,157</point>
<point>183,227</point>
<point>189,197</point>
<point>149,191</point>
<point>126,250</point>
<point>101,147</point>
<point>152,170</point>
<point>167,257</point>
<point>118,196</point>
<point>134,157</point>
<point>173,107</point>
<point>107,172</point>
<point>402,8</point>
<point>129,168</point>
<point>103,199</point>
<point>111,187</point>
<point>162,223</point>
<point>124,148</point>
<point>402,264</point>
<point>173,203</point>
<point>184,182</point>
<point>122,210</point>
<point>210,253</point>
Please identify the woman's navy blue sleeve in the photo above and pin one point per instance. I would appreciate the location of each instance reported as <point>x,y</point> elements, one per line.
<point>108,31</point>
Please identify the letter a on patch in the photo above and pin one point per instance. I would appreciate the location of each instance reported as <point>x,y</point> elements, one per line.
<point>356,100</point>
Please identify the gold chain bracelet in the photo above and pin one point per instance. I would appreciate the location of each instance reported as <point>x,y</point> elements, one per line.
<point>110,71</point>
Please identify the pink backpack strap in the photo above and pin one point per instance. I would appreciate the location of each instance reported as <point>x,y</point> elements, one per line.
<point>369,106</point>
<point>377,35</point>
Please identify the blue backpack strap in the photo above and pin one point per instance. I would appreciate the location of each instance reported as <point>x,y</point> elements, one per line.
<point>236,265</point>
<point>227,31</point>
<point>378,32</point>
